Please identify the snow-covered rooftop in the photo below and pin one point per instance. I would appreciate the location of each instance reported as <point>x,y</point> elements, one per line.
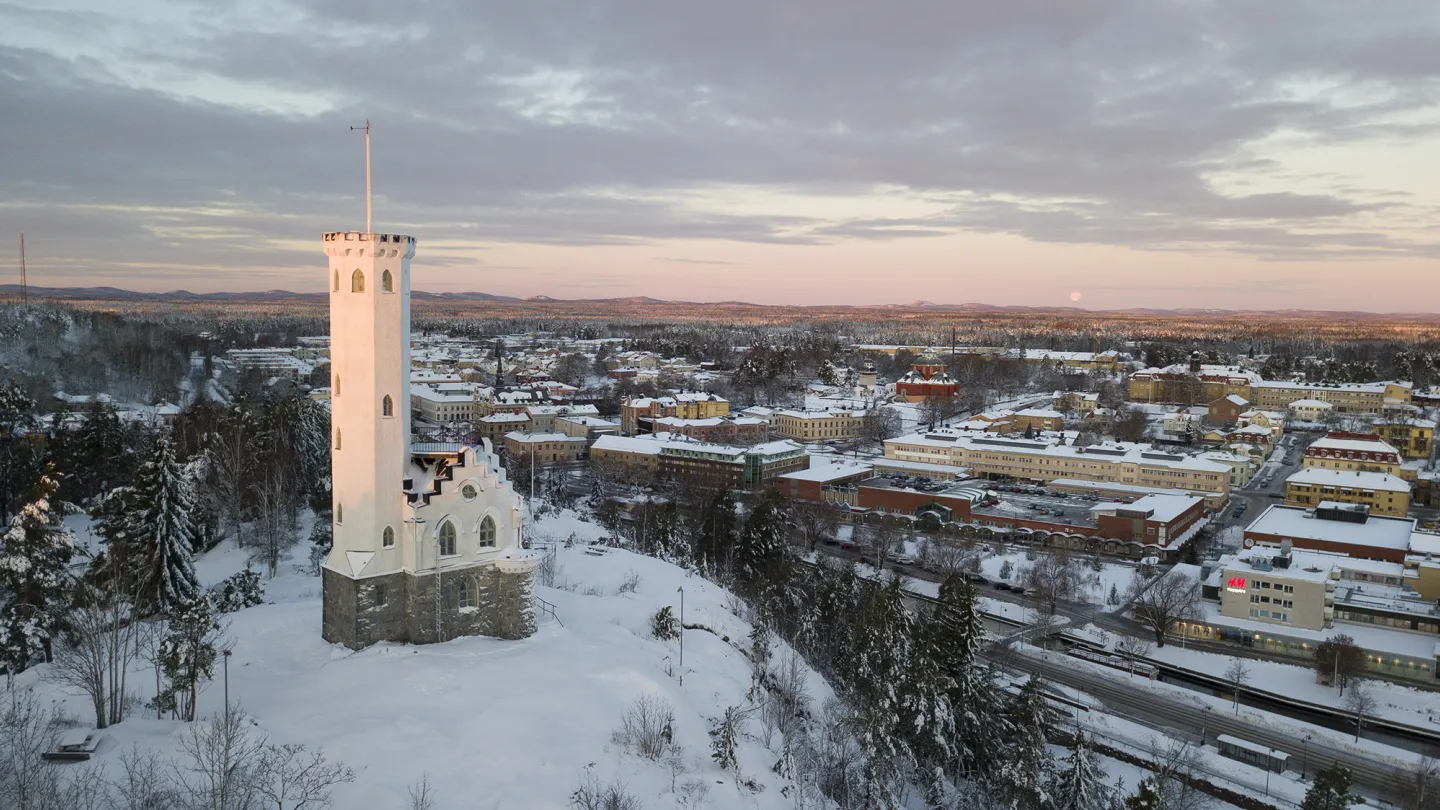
<point>1355,479</point>
<point>1293,522</point>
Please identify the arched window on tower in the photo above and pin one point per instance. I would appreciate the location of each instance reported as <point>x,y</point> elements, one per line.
<point>337,438</point>
<point>487,532</point>
<point>387,282</point>
<point>339,513</point>
<point>335,386</point>
<point>357,281</point>
<point>447,539</point>
<point>387,537</point>
<point>336,288</point>
<point>387,406</point>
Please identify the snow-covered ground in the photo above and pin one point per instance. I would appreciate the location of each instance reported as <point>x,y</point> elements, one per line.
<point>493,723</point>
<point>1392,702</point>
<point>1111,574</point>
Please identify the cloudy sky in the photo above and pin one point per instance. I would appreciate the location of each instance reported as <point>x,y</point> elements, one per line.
<point>1111,152</point>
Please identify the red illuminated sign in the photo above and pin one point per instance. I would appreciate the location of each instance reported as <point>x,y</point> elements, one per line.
<point>1238,583</point>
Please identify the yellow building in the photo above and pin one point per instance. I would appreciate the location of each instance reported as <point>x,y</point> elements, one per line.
<point>1345,397</point>
<point>820,425</point>
<point>1384,494</point>
<point>635,413</point>
<point>1046,460</point>
<point>1363,452</point>
<point>1192,384</point>
<point>1412,436</point>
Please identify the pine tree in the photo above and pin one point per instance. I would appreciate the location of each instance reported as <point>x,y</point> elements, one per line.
<point>1080,784</point>
<point>163,532</point>
<point>715,534</point>
<point>1022,771</point>
<point>188,656</point>
<point>724,737</point>
<point>1330,790</point>
<point>882,654</point>
<point>759,552</point>
<point>19,461</point>
<point>927,720</point>
<point>35,579</point>
<point>1146,796</point>
<point>960,632</point>
<point>1114,598</point>
<point>238,591</point>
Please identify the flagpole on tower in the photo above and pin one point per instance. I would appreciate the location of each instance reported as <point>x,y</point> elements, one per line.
<point>367,172</point>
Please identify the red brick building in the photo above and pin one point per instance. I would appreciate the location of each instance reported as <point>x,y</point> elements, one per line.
<point>926,380</point>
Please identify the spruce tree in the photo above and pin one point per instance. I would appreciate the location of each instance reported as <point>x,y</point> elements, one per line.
<point>882,655</point>
<point>35,579</point>
<point>19,460</point>
<point>717,528</point>
<point>163,532</point>
<point>1022,772</point>
<point>1146,796</point>
<point>188,655</point>
<point>960,633</point>
<point>760,549</point>
<point>1080,784</point>
<point>927,720</point>
<point>1330,790</point>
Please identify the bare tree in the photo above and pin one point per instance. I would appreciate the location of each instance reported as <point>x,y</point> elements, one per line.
<point>1418,787</point>
<point>881,423</point>
<point>143,782</point>
<point>1173,763</point>
<point>1360,704</point>
<point>291,778</point>
<point>1056,577</point>
<point>422,794</point>
<point>97,659</point>
<point>274,534</point>
<point>1160,603</point>
<point>1133,650</point>
<point>1129,425</point>
<point>218,763</point>
<point>1340,660</point>
<point>813,522</point>
<point>882,539</point>
<point>27,782</point>
<point>1237,675</point>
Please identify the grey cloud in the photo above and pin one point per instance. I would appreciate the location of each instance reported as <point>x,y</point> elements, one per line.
<point>574,123</point>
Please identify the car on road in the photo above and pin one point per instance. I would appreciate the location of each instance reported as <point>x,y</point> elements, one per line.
<point>1240,510</point>
<point>902,559</point>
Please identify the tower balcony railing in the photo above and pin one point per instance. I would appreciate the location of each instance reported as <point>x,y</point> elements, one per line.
<point>440,439</point>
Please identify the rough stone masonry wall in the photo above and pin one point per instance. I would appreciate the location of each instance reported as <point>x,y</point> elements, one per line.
<point>354,616</point>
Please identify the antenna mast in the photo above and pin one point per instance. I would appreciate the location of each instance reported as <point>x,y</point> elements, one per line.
<point>24,281</point>
<point>367,172</point>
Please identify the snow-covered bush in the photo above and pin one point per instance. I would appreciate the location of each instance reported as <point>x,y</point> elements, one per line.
<point>238,591</point>
<point>663,626</point>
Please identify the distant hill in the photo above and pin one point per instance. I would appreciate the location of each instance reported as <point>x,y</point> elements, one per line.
<point>116,294</point>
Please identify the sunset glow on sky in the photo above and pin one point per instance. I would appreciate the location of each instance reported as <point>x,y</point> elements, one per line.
<point>1099,153</point>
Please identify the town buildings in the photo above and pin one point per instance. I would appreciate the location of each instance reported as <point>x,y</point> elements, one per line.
<point>1365,452</point>
<point>1383,494</point>
<point>699,465</point>
<point>1046,459</point>
<point>636,414</point>
<point>544,449</point>
<point>811,426</point>
<point>1342,528</point>
<point>1413,436</point>
<point>927,379</point>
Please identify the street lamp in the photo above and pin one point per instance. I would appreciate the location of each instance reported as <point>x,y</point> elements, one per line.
<point>1305,754</point>
<point>227,683</point>
<point>681,589</point>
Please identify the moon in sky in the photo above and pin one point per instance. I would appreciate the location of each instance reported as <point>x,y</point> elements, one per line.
<point>1075,296</point>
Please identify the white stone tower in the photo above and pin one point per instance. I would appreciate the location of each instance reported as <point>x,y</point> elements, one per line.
<point>427,540</point>
<point>369,396</point>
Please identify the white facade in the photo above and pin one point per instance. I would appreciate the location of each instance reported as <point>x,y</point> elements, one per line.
<point>397,507</point>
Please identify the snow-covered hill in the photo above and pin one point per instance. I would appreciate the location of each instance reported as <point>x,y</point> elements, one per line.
<point>505,724</point>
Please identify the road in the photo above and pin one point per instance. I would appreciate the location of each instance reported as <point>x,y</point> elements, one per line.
<point>1186,721</point>
<point>1265,489</point>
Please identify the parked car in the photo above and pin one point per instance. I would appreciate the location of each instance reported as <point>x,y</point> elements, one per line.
<point>902,559</point>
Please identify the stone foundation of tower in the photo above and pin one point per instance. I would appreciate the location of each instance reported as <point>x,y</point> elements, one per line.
<point>401,607</point>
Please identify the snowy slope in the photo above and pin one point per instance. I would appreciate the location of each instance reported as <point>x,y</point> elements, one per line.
<point>493,723</point>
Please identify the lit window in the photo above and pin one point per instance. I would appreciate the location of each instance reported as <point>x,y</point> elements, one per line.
<point>357,281</point>
<point>447,539</point>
